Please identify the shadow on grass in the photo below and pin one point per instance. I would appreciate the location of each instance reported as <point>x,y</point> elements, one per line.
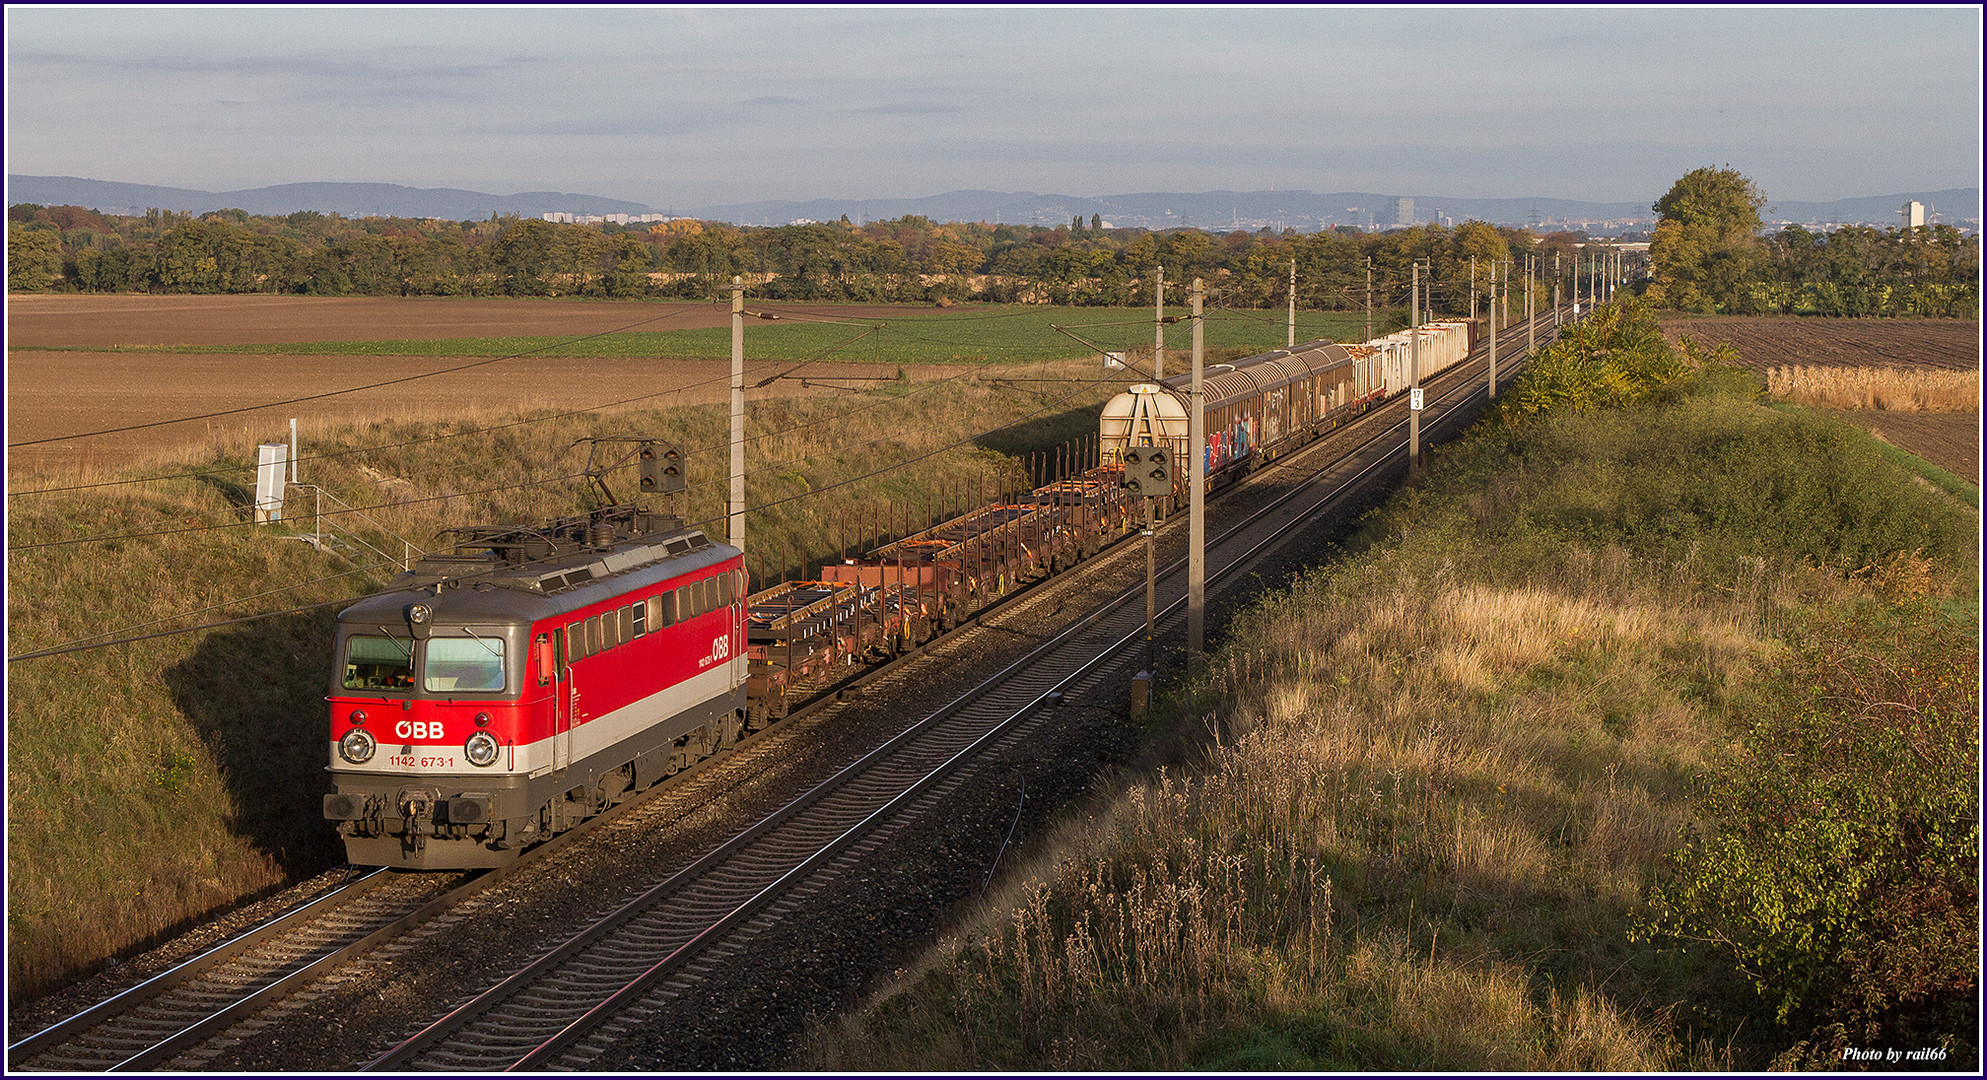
<point>256,696</point>
<point>1045,435</point>
<point>236,495</point>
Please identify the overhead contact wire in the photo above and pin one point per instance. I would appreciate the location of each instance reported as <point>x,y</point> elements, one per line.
<point>540,482</point>
<point>347,390</point>
<point>433,439</point>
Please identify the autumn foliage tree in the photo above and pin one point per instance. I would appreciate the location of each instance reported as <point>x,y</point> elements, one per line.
<point>1707,242</point>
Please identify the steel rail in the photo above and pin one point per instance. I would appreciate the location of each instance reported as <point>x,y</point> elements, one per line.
<point>733,915</point>
<point>24,1051</point>
<point>180,974</point>
<point>278,981</point>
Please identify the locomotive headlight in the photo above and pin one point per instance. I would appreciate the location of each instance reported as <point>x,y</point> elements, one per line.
<point>419,613</point>
<point>357,746</point>
<point>481,749</point>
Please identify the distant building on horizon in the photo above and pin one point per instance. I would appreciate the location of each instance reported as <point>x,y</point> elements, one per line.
<point>1400,210</point>
<point>1914,215</point>
<point>567,217</point>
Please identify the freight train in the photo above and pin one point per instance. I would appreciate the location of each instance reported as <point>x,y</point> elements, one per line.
<point>1259,408</point>
<point>498,694</point>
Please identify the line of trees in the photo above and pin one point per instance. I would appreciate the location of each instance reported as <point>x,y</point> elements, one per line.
<point>905,260</point>
<point>1708,254</point>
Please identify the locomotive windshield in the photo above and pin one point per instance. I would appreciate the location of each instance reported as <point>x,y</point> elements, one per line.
<point>448,664</point>
<point>378,663</point>
<point>471,663</point>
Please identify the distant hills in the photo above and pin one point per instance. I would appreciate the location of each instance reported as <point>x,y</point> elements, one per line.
<point>348,200</point>
<point>1216,210</point>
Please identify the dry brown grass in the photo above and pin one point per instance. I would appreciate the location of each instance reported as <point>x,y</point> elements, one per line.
<point>1430,792</point>
<point>152,782</point>
<point>1887,388</point>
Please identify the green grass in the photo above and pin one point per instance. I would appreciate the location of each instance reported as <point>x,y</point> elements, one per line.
<point>1009,334</point>
<point>1449,769</point>
<point>1958,487</point>
<point>153,782</point>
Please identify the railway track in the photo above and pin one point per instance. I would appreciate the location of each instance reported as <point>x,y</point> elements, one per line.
<point>160,1023</point>
<point>566,1007</point>
<point>151,1023</point>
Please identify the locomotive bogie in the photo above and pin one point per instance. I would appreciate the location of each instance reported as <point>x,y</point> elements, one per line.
<point>440,822</point>
<point>492,701</point>
<point>496,699</point>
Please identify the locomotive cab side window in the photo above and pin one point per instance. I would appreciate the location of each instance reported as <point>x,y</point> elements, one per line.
<point>378,663</point>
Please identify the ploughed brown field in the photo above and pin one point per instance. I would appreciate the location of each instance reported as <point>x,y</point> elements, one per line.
<point>52,395</point>
<point>1949,440</point>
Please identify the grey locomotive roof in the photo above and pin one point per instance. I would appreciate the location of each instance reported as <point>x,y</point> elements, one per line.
<point>488,590</point>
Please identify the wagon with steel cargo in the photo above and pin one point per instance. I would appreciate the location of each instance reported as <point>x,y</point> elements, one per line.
<point>499,694</point>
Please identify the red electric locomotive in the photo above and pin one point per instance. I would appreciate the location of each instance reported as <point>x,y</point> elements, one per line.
<point>500,694</point>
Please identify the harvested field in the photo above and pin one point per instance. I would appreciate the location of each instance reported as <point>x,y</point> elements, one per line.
<point>56,394</point>
<point>52,395</point>
<point>106,321</point>
<point>1766,341</point>
<point>1948,440</point>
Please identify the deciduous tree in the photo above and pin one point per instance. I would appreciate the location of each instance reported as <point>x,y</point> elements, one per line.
<point>34,258</point>
<point>1707,243</point>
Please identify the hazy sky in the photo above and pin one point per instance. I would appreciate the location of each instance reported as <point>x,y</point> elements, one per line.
<point>685,107</point>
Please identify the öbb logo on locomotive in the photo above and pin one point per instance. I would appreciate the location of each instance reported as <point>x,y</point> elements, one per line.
<point>503,692</point>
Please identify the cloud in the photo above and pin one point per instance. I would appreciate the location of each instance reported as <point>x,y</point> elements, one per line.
<point>651,103</point>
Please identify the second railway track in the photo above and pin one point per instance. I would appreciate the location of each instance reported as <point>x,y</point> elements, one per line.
<point>570,1034</point>
<point>561,1011</point>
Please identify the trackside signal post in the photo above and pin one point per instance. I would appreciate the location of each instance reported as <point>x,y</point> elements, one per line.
<point>1290,342</point>
<point>1531,308</point>
<point>1149,476</point>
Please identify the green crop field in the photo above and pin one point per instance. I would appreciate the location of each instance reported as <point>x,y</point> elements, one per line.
<point>1009,333</point>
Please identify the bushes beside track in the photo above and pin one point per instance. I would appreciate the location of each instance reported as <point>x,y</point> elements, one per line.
<point>1493,792</point>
